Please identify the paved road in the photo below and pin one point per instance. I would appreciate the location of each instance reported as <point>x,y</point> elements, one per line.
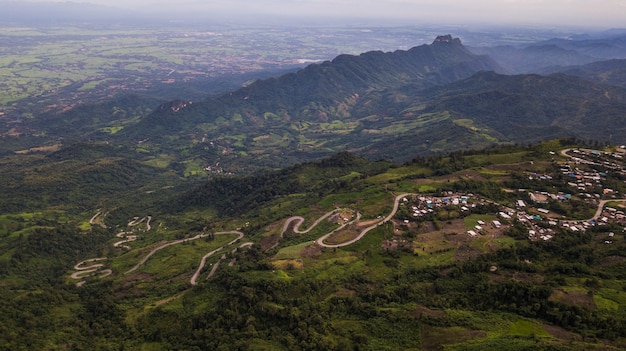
<point>396,204</point>
<point>296,228</point>
<point>195,275</point>
<point>564,152</point>
<point>299,220</point>
<point>601,206</point>
<point>87,271</point>
<point>199,236</point>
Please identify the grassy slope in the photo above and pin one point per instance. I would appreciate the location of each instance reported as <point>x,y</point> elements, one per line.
<point>423,296</point>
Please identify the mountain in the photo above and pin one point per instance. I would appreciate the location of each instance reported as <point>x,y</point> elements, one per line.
<point>304,112</point>
<point>429,99</point>
<point>310,92</point>
<point>609,45</point>
<point>432,98</point>
<point>115,243</point>
<point>612,72</point>
<point>528,108</point>
<point>533,58</point>
<point>557,52</point>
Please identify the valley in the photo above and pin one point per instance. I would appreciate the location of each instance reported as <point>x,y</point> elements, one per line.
<point>236,188</point>
<point>361,237</point>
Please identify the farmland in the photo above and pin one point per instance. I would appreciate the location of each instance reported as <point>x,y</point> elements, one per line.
<point>58,68</point>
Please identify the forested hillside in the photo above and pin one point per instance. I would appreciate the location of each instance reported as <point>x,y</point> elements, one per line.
<point>343,253</point>
<point>410,200</point>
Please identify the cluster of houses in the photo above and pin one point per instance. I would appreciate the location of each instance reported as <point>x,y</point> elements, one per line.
<point>586,182</point>
<point>479,228</point>
<point>607,215</point>
<point>423,205</point>
<point>610,160</point>
<point>535,231</point>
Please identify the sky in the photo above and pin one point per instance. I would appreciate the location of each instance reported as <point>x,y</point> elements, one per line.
<point>583,13</point>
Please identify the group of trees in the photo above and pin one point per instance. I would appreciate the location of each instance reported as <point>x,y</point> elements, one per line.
<point>234,195</point>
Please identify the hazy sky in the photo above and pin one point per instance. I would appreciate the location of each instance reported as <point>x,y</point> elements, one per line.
<point>605,13</point>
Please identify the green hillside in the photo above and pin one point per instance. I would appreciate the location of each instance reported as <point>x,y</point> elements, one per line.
<point>338,254</point>
<point>412,200</point>
<point>382,105</point>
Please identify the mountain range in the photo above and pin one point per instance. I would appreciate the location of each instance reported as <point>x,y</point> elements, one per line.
<point>431,98</point>
<point>395,105</point>
<point>138,223</point>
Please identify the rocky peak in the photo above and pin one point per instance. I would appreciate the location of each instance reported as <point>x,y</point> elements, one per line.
<point>446,39</point>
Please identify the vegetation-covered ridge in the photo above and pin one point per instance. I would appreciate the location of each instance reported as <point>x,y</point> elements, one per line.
<point>518,246</point>
<point>385,105</point>
<point>258,220</point>
<point>430,99</point>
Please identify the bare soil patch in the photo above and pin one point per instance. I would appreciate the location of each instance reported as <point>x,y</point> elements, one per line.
<point>273,227</point>
<point>434,337</point>
<point>561,333</point>
<point>49,148</point>
<point>469,174</point>
<point>269,241</point>
<point>343,292</point>
<point>574,298</point>
<point>311,251</point>
<point>366,224</point>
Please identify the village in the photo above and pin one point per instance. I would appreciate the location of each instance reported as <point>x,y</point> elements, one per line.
<point>586,174</point>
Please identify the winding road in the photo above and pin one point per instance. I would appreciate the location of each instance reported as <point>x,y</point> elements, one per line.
<point>299,220</point>
<point>84,272</point>
<point>564,152</point>
<point>91,269</point>
<point>195,275</point>
<point>180,241</point>
<point>131,238</point>
<point>396,204</point>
